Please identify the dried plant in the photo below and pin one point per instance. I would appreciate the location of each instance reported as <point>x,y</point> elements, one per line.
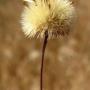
<point>48,19</point>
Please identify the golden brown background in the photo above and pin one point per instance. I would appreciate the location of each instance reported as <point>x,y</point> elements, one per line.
<point>67,61</point>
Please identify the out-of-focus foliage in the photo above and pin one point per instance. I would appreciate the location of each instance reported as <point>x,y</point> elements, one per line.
<point>2,1</point>
<point>67,61</point>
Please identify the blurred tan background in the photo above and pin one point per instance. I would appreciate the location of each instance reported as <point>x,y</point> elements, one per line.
<point>67,61</point>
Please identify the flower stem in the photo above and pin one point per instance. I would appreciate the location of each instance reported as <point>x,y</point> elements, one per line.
<point>42,61</point>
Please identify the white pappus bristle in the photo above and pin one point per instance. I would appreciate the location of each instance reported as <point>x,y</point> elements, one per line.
<point>55,16</point>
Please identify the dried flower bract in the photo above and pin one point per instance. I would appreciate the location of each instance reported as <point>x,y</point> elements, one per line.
<point>55,16</point>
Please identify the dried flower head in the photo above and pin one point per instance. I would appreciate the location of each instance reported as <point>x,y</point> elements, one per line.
<point>54,16</point>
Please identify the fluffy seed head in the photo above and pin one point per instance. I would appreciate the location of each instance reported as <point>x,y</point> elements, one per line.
<point>55,16</point>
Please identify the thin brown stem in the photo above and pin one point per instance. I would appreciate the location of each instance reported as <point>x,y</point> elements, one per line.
<point>42,62</point>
